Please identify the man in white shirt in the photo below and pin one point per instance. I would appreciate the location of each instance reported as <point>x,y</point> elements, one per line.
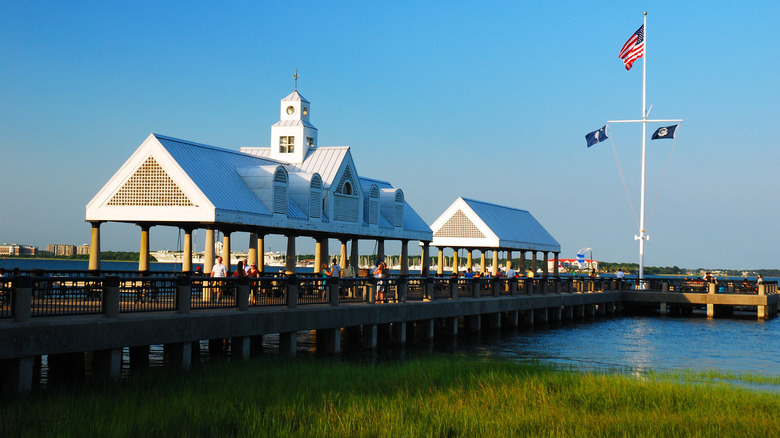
<point>218,270</point>
<point>335,269</point>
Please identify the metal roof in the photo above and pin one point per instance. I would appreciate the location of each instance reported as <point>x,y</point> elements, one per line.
<point>213,170</point>
<point>295,95</point>
<point>294,123</point>
<point>499,227</point>
<point>324,160</point>
<point>513,225</point>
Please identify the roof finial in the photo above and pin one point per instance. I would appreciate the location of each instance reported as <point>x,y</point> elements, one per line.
<point>295,76</point>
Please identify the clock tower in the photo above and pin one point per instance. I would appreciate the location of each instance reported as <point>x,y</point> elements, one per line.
<point>292,136</point>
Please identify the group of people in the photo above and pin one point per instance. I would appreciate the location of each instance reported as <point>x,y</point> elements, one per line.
<point>508,273</point>
<point>219,270</point>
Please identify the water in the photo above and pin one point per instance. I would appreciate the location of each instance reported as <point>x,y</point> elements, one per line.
<point>625,343</point>
<point>641,343</point>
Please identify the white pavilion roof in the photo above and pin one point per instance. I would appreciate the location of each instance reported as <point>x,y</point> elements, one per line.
<point>173,181</point>
<point>469,223</point>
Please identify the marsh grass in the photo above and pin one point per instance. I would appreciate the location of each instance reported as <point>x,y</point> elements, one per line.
<point>439,396</point>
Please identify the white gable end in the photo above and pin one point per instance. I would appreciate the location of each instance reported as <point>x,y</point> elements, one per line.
<point>150,185</point>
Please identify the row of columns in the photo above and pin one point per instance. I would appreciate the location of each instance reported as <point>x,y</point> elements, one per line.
<point>494,271</point>
<point>256,254</point>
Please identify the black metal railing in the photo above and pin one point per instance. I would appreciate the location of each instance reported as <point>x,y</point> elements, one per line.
<point>213,292</point>
<point>145,294</point>
<point>54,296</point>
<point>79,295</point>
<point>355,290</point>
<point>267,291</point>
<point>5,298</point>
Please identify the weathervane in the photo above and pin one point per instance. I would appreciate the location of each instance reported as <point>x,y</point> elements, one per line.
<point>295,76</point>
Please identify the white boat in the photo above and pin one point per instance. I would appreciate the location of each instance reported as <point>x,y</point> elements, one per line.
<point>271,258</point>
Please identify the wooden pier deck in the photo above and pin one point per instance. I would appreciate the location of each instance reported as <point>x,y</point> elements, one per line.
<point>103,315</point>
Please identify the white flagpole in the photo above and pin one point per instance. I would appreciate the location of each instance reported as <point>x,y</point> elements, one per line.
<point>641,235</point>
<point>644,120</point>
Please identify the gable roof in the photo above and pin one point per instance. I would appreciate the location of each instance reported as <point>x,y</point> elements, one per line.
<point>213,170</point>
<point>469,223</point>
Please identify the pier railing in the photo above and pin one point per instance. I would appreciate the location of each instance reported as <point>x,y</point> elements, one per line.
<point>57,295</point>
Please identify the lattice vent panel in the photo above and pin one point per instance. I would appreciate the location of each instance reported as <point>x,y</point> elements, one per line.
<point>459,226</point>
<point>150,186</point>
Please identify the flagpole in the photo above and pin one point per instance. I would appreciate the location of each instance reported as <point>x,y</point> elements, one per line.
<point>641,235</point>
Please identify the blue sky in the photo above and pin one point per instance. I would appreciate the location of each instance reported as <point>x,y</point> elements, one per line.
<point>487,100</point>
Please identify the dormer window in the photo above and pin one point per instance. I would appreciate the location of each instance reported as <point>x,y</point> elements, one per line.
<point>286,144</point>
<point>310,142</point>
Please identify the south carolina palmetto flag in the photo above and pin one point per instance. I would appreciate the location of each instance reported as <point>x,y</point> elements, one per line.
<point>634,48</point>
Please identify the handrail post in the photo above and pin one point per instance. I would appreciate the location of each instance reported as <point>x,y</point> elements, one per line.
<point>242,293</point>
<point>111,297</point>
<point>402,289</point>
<point>292,291</point>
<point>476,288</point>
<point>183,294</point>
<point>372,286</point>
<point>21,299</point>
<point>333,290</point>
<point>513,287</point>
<point>454,288</point>
<point>430,288</point>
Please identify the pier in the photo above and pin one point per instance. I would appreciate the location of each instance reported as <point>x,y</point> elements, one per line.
<point>77,318</point>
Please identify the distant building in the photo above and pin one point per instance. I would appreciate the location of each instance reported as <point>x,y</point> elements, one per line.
<point>14,249</point>
<point>567,265</point>
<point>83,249</point>
<point>61,249</point>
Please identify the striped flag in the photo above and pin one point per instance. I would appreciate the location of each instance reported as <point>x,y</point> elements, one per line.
<point>634,48</point>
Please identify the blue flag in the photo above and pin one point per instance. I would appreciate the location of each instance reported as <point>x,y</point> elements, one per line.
<point>597,136</point>
<point>664,132</point>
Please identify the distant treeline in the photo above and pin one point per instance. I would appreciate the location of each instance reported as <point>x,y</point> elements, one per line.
<point>634,268</point>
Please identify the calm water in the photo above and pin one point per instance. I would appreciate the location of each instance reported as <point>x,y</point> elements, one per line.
<point>739,345</point>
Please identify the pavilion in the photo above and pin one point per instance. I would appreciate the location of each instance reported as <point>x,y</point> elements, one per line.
<point>475,225</point>
<point>293,188</point>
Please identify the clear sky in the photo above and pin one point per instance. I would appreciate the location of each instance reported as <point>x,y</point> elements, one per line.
<point>487,100</point>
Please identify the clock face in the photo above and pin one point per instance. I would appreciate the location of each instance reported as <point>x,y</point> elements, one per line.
<point>305,112</point>
<point>290,110</point>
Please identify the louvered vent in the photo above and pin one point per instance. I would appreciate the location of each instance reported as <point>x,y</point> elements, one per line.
<point>459,226</point>
<point>345,208</point>
<point>280,192</point>
<point>315,197</point>
<point>373,206</point>
<point>150,186</point>
<point>399,209</point>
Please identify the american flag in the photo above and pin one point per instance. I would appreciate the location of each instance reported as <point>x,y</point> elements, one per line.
<point>634,48</point>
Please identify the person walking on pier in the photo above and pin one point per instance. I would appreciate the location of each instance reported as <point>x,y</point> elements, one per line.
<point>324,283</point>
<point>379,273</point>
<point>218,271</point>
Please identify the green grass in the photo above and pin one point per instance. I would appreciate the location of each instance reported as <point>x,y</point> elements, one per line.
<point>439,396</point>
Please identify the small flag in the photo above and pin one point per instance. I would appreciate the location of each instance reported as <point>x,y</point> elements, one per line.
<point>634,48</point>
<point>597,136</point>
<point>665,132</point>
